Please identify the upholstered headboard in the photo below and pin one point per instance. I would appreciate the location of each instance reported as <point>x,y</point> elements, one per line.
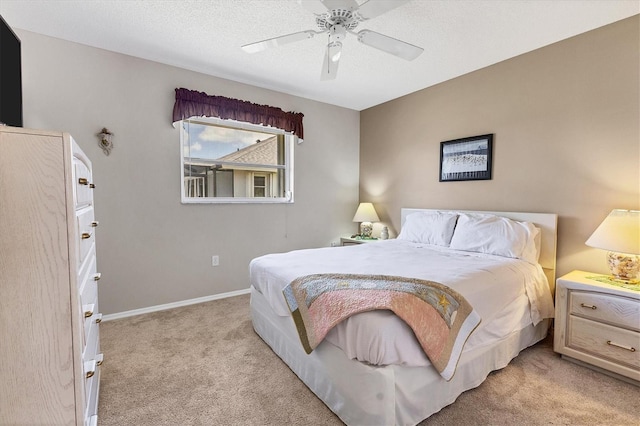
<point>547,222</point>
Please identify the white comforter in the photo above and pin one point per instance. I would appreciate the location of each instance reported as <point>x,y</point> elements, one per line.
<point>509,294</point>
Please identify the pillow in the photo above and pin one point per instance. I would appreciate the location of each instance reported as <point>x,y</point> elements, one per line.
<point>496,235</point>
<point>429,228</point>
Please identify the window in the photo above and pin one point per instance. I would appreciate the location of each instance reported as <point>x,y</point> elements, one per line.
<point>226,161</point>
<point>260,185</point>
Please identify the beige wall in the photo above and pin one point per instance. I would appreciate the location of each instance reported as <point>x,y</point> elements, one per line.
<point>152,249</point>
<point>567,139</point>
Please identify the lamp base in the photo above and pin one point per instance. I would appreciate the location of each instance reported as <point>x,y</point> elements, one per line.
<point>365,229</point>
<point>623,266</point>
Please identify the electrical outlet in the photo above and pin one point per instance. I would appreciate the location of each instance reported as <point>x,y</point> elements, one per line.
<point>215,260</point>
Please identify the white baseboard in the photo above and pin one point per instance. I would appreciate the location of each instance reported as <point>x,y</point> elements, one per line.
<point>172,305</point>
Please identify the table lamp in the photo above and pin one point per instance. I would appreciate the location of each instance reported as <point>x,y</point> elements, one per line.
<point>619,233</point>
<point>365,215</point>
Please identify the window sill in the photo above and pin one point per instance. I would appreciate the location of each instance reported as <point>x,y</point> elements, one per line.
<point>222,200</point>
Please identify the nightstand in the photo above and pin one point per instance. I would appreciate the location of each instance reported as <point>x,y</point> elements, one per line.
<point>598,325</point>
<point>348,241</point>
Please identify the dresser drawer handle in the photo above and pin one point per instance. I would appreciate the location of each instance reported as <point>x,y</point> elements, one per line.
<point>88,310</point>
<point>86,235</point>
<point>98,318</point>
<point>83,181</point>
<point>91,186</point>
<point>99,359</point>
<point>97,276</point>
<point>628,348</point>
<point>89,368</point>
<point>95,224</point>
<point>588,306</point>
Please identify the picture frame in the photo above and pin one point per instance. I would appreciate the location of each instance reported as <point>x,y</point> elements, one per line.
<point>466,158</point>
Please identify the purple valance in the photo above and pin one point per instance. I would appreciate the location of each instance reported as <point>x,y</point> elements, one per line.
<point>190,103</point>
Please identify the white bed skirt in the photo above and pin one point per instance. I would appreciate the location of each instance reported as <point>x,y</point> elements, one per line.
<point>362,394</point>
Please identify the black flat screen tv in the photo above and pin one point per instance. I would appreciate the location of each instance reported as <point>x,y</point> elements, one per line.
<point>10,77</point>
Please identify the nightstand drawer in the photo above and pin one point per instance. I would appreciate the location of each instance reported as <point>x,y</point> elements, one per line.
<point>604,341</point>
<point>615,310</point>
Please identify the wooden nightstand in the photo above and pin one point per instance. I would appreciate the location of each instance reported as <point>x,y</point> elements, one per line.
<point>598,325</point>
<point>347,241</point>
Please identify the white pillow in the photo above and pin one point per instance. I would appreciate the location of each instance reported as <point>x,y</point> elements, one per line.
<point>496,235</point>
<point>429,228</point>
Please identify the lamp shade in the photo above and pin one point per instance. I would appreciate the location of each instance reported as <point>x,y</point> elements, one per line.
<point>366,213</point>
<point>619,232</point>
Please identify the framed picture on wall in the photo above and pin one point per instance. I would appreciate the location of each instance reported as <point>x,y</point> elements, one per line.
<point>466,158</point>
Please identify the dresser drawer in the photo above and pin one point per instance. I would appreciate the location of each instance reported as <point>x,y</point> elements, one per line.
<point>88,280</point>
<point>86,334</point>
<point>615,310</point>
<point>86,233</point>
<point>92,346</point>
<point>92,389</point>
<point>90,312</point>
<point>83,269</point>
<point>83,183</point>
<point>604,341</point>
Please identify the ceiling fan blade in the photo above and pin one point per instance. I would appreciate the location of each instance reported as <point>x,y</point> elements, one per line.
<point>317,7</point>
<point>341,4</point>
<point>278,41</point>
<point>390,45</point>
<point>331,61</point>
<point>372,8</point>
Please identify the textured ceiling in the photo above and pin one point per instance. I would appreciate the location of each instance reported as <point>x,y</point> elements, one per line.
<point>205,36</point>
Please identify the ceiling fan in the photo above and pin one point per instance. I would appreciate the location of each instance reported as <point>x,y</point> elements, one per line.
<point>337,18</point>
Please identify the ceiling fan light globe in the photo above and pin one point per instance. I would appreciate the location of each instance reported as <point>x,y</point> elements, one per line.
<point>337,33</point>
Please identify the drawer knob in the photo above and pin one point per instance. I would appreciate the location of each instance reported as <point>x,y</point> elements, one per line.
<point>88,310</point>
<point>99,359</point>
<point>588,306</point>
<point>91,186</point>
<point>83,181</point>
<point>95,224</point>
<point>89,368</point>
<point>97,276</point>
<point>628,348</point>
<point>86,235</point>
<point>98,318</point>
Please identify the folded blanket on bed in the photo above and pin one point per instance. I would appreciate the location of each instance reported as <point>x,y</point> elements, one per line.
<point>441,318</point>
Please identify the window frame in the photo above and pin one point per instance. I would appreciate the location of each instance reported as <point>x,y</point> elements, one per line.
<point>289,142</point>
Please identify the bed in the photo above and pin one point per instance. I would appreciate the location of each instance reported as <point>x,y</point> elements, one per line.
<point>370,369</point>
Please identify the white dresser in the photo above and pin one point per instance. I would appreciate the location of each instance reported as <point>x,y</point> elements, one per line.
<point>598,325</point>
<point>49,322</point>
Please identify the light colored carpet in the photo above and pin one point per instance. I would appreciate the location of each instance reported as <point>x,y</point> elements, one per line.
<point>204,365</point>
